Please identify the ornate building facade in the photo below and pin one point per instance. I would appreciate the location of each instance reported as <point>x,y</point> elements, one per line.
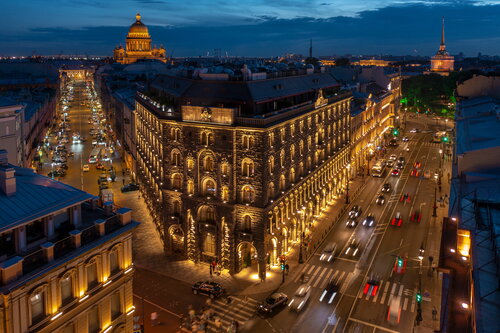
<point>237,171</point>
<point>138,45</point>
<point>442,62</point>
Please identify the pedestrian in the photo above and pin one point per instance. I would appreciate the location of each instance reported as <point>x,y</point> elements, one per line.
<point>192,313</point>
<point>154,318</point>
<point>287,267</point>
<point>434,313</point>
<point>139,196</point>
<point>211,273</point>
<point>123,181</point>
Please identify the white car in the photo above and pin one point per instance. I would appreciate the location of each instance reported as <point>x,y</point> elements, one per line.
<point>86,168</point>
<point>300,298</point>
<point>393,157</point>
<point>352,248</point>
<point>328,252</point>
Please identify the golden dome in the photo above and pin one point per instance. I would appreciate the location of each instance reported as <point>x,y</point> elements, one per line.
<point>138,29</point>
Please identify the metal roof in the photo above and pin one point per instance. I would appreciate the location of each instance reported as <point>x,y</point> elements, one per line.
<point>36,196</point>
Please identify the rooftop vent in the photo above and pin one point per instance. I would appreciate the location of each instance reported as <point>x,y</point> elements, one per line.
<point>7,177</point>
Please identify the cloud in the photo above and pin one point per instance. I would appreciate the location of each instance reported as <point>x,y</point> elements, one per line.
<point>397,29</point>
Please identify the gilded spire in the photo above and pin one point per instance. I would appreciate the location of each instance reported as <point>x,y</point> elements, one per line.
<point>137,17</point>
<point>442,33</point>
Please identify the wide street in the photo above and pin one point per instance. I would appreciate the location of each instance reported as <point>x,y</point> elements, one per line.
<point>379,246</point>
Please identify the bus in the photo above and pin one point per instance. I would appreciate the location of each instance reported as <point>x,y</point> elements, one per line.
<point>95,154</point>
<point>378,169</point>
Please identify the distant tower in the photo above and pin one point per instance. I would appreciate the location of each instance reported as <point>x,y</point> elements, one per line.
<point>311,48</point>
<point>442,62</point>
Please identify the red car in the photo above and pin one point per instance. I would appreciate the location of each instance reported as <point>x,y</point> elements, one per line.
<point>397,220</point>
<point>400,265</point>
<point>417,165</point>
<point>405,197</point>
<point>395,172</point>
<point>415,173</point>
<point>371,288</point>
<point>416,216</point>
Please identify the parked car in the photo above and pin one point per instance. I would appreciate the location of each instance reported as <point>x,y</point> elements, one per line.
<point>208,288</point>
<point>355,211</point>
<point>300,298</point>
<point>272,303</point>
<point>130,187</point>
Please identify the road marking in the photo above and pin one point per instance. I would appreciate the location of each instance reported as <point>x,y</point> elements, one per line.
<point>328,280</point>
<point>312,267</point>
<point>301,272</point>
<point>365,279</point>
<point>385,292</point>
<point>372,325</point>
<point>380,288</point>
<point>405,304</point>
<point>325,281</point>
<point>393,288</point>
<point>346,282</point>
<point>156,305</point>
<point>315,272</point>
<point>413,301</point>
<point>320,276</point>
<point>401,287</point>
<point>340,277</point>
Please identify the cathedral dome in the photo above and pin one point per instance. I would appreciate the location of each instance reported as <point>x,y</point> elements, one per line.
<point>138,29</point>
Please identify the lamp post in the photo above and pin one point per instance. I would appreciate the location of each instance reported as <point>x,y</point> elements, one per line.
<point>434,208</point>
<point>347,184</point>
<point>301,212</point>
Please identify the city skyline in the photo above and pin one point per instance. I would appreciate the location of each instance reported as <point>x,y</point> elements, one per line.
<point>195,30</point>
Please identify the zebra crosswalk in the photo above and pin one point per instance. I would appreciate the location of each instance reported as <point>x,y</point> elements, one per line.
<point>240,309</point>
<point>387,290</point>
<point>318,276</point>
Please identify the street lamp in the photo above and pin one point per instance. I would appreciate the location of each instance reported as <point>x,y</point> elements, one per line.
<point>347,185</point>
<point>301,212</point>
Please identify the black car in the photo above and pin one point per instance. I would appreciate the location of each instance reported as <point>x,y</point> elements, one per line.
<point>355,211</point>
<point>329,293</point>
<point>273,302</point>
<point>380,200</point>
<point>369,220</point>
<point>130,187</point>
<point>352,222</point>
<point>400,165</point>
<point>209,288</point>
<point>386,187</point>
<point>57,173</point>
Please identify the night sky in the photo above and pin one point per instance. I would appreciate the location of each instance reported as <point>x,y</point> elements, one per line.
<point>252,27</point>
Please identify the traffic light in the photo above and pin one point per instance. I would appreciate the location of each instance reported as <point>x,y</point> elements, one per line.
<point>445,139</point>
<point>282,266</point>
<point>400,262</point>
<point>419,297</point>
<point>395,132</point>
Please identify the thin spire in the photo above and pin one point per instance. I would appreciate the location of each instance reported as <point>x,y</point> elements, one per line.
<point>310,48</point>
<point>442,33</point>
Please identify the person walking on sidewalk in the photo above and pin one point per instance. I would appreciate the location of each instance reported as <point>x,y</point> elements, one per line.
<point>211,272</point>
<point>154,318</point>
<point>434,313</point>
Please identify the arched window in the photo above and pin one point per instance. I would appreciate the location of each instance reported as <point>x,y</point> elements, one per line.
<point>292,151</point>
<point>282,135</point>
<point>270,191</point>
<point>248,194</point>
<point>247,167</point>
<point>224,168</point>
<point>292,175</point>
<point>301,168</point>
<point>247,141</point>
<point>282,158</point>
<point>190,186</point>
<point>271,164</point>
<point>177,181</point>
<point>114,265</point>
<point>206,214</point>
<point>176,134</point>
<point>292,129</point>
<point>247,223</point>
<point>38,305</point>
<point>66,285</point>
<point>282,182</point>
<point>209,187</point>
<point>271,139</point>
<point>208,163</point>
<point>301,147</point>
<point>225,193</point>
<point>309,164</point>
<point>204,138</point>
<point>176,208</point>
<point>176,157</point>
<point>190,163</point>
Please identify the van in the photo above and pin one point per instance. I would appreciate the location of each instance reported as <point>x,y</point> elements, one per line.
<point>394,312</point>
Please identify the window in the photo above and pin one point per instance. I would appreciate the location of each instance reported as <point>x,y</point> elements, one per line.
<point>176,134</point>
<point>292,175</point>
<point>301,126</point>
<point>114,266</point>
<point>37,303</point>
<point>271,139</point>
<point>176,158</point>
<point>190,187</point>
<point>270,190</point>
<point>292,129</point>
<point>247,141</point>
<point>176,181</point>
<point>224,168</point>
<point>247,223</point>
<point>225,193</point>
<point>190,164</point>
<point>292,152</point>
<point>7,245</point>
<point>209,244</point>
<point>92,275</point>
<point>247,168</point>
<point>282,158</point>
<point>66,289</point>
<point>207,138</point>
<point>301,168</point>
<point>309,143</point>
<point>271,164</point>
<point>116,306</point>
<point>206,214</point>
<point>282,135</point>
<point>208,163</point>
<point>93,320</point>
<point>301,147</point>
<point>282,182</point>
<point>247,194</point>
<point>209,187</point>
<point>35,231</point>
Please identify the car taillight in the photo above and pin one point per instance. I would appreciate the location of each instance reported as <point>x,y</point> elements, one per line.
<point>367,286</point>
<point>374,291</point>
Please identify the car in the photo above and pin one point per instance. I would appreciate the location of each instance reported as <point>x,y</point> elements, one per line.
<point>415,172</point>
<point>371,287</point>
<point>416,216</point>
<point>64,140</point>
<point>405,139</point>
<point>99,166</point>
<point>355,211</point>
<point>329,293</point>
<point>63,166</point>
<point>71,154</point>
<point>60,148</point>
<point>417,165</point>
<point>392,157</point>
<point>103,185</point>
<point>83,138</point>
<point>400,165</point>
<point>352,248</point>
<point>394,312</point>
<point>352,222</point>
<point>390,163</point>
<point>401,159</point>
<point>399,265</point>
<point>380,200</point>
<point>407,148</point>
<point>86,168</point>
<point>405,198</point>
<point>369,220</point>
<point>130,187</point>
<point>57,173</point>
<point>209,288</point>
<point>386,187</point>
<point>102,178</point>
<point>397,220</point>
<point>427,174</point>
<point>328,252</point>
<point>395,172</point>
<point>414,130</point>
<point>272,303</point>
<point>300,298</point>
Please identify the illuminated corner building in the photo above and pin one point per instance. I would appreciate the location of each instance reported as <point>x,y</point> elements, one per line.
<point>442,62</point>
<point>138,45</point>
<point>236,170</point>
<point>470,245</point>
<point>65,264</point>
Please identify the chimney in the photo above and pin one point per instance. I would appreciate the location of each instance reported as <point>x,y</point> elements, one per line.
<point>7,178</point>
